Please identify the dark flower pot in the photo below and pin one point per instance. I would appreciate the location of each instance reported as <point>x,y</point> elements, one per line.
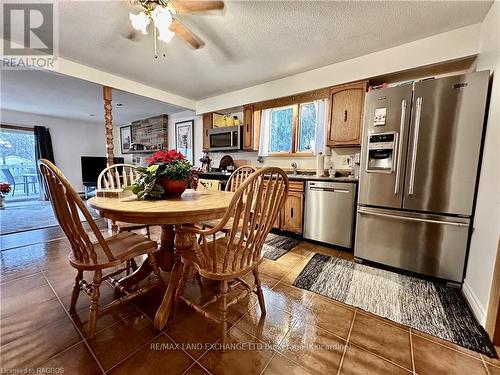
<point>173,188</point>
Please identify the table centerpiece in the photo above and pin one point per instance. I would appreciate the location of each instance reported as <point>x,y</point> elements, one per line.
<point>166,176</point>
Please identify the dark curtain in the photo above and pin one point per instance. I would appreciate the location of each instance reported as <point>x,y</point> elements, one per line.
<point>43,150</point>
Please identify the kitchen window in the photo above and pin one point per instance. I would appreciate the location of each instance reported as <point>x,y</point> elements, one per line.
<point>306,127</point>
<point>281,129</point>
<point>293,130</point>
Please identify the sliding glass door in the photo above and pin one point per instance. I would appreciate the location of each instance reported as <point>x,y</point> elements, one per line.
<point>17,162</point>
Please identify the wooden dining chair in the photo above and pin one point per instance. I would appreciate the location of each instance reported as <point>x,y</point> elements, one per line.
<point>233,183</point>
<point>254,208</point>
<point>96,257</point>
<point>119,176</point>
<point>239,176</point>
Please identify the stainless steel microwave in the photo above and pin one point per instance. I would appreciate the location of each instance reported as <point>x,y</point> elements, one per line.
<point>225,139</point>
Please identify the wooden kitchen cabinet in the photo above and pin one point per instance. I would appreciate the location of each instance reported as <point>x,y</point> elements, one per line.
<point>293,213</point>
<point>346,114</point>
<point>207,124</point>
<point>248,138</point>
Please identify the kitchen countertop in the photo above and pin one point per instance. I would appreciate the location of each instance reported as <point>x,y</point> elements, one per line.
<point>297,177</point>
<point>305,177</point>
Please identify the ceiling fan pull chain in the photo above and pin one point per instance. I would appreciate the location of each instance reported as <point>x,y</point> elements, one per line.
<point>155,45</point>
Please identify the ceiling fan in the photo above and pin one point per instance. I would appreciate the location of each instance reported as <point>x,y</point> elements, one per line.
<point>162,15</point>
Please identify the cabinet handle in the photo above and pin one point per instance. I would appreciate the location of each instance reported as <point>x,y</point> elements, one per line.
<point>247,128</point>
<point>291,211</point>
<point>345,115</point>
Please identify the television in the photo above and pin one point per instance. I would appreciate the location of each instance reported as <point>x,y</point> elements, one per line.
<point>93,165</point>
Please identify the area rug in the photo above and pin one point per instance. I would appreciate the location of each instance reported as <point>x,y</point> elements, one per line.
<point>426,306</point>
<point>276,246</point>
<point>17,217</point>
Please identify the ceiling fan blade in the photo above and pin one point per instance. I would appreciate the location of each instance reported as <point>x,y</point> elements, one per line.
<point>183,32</point>
<point>188,6</point>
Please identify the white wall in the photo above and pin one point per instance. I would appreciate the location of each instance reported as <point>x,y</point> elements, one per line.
<point>198,132</point>
<point>337,159</point>
<point>451,45</point>
<point>71,139</point>
<point>483,249</point>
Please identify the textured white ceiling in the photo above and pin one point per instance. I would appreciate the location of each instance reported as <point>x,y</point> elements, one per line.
<point>51,94</point>
<point>252,42</point>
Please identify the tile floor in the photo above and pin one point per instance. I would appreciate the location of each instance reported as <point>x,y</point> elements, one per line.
<point>302,333</point>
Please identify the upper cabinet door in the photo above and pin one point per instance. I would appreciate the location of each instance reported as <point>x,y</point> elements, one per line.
<point>207,124</point>
<point>248,134</point>
<point>346,114</point>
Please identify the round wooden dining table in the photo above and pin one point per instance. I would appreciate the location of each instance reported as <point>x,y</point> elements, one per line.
<point>191,208</point>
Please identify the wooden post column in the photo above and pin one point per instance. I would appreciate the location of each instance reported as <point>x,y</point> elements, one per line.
<point>108,123</point>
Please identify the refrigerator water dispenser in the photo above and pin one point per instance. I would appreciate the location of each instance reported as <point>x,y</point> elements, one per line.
<point>381,152</point>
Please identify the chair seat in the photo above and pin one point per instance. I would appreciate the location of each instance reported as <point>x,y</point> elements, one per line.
<point>213,223</point>
<point>122,225</point>
<point>220,245</point>
<point>123,246</point>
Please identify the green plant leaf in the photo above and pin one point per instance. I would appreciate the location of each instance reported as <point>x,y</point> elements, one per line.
<point>153,168</point>
<point>157,190</point>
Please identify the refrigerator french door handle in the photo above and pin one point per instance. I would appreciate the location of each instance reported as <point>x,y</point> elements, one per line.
<point>415,145</point>
<point>400,146</point>
<point>457,224</point>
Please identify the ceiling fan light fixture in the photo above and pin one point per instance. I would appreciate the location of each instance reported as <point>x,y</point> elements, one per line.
<point>162,19</point>
<point>165,34</point>
<point>140,21</point>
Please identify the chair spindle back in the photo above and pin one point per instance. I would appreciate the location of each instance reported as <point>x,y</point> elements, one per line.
<point>239,176</point>
<point>254,209</point>
<point>66,204</point>
<point>117,176</point>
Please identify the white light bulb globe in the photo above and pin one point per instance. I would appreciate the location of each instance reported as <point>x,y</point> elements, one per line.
<point>162,20</point>
<point>140,22</point>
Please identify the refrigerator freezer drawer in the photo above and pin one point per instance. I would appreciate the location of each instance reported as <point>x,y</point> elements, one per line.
<point>428,244</point>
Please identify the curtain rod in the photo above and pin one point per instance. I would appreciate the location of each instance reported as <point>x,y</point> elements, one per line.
<point>17,127</point>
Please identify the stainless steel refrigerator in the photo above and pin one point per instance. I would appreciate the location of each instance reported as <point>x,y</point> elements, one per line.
<point>419,166</point>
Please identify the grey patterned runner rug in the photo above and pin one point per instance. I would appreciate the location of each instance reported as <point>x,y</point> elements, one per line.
<point>276,246</point>
<point>426,306</point>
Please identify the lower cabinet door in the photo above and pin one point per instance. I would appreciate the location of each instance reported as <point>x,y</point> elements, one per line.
<point>293,212</point>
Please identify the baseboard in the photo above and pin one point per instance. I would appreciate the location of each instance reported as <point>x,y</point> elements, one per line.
<point>471,298</point>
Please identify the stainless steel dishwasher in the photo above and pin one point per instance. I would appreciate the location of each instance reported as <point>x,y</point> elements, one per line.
<point>329,212</point>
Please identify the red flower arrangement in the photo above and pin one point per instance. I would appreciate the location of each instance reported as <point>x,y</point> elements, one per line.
<point>165,157</point>
<point>4,188</point>
<point>167,175</point>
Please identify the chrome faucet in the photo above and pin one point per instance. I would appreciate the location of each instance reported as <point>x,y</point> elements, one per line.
<point>294,166</point>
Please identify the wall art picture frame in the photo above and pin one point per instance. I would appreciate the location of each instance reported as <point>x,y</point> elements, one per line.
<point>125,138</point>
<point>184,139</point>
